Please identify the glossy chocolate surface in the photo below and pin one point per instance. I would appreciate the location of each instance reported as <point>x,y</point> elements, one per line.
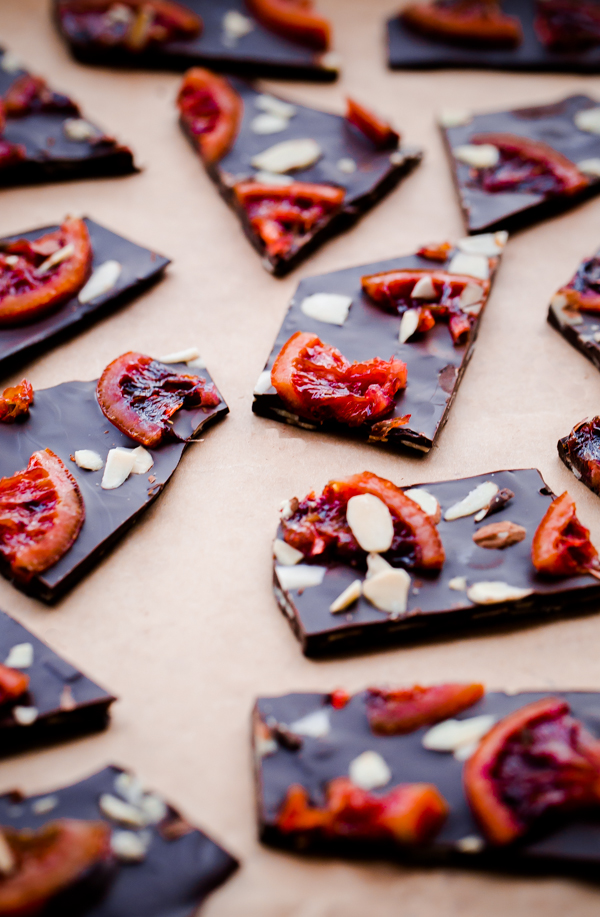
<point>435,608</point>
<point>435,365</point>
<point>51,156</point>
<point>551,124</point>
<point>175,876</point>
<point>578,328</point>
<point>376,174</point>
<point>258,53</point>
<point>67,418</point>
<point>68,703</point>
<point>140,268</point>
<point>570,846</point>
<point>409,50</point>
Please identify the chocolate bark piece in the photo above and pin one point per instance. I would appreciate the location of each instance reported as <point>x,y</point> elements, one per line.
<point>67,418</point>
<point>180,867</point>
<point>375,173</point>
<point>50,154</point>
<point>66,703</point>
<point>578,326</point>
<point>140,268</point>
<point>553,125</point>
<point>435,365</point>
<point>439,604</point>
<point>259,52</point>
<point>409,50</point>
<point>569,846</point>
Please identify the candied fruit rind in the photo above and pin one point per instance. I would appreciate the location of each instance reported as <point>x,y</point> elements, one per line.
<point>211,112</point>
<point>403,710</point>
<point>381,134</point>
<point>295,20</point>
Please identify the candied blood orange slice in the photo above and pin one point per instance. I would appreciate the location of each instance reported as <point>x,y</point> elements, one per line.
<point>378,131</point>
<point>530,166</point>
<point>411,813</point>
<point>470,22</point>
<point>561,545</point>
<point>568,25</point>
<point>41,514</point>
<point>317,382</point>
<point>50,861</point>
<point>319,528</point>
<point>582,450</point>
<point>536,760</point>
<point>139,396</point>
<point>211,112</point>
<point>583,290</point>
<point>293,19</point>
<point>13,684</point>
<point>28,94</point>
<point>402,710</point>
<point>436,251</point>
<point>282,215</point>
<point>16,401</point>
<point>140,24</point>
<point>37,277</point>
<point>10,153</point>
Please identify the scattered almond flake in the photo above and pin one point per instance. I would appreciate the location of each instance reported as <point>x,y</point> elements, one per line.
<point>196,363</point>
<point>235,26</point>
<point>486,243</point>
<point>25,716</point>
<point>129,787</point>
<point>88,460</point>
<point>67,701</point>
<point>102,280</point>
<point>285,554</point>
<point>470,844</point>
<point>590,166</point>
<point>470,296</point>
<point>129,846</point>
<point>454,117</point>
<point>316,725</point>
<point>67,251</point>
<point>376,564</point>
<point>11,259</point>
<point>142,459</point>
<point>424,289</point>
<point>181,356</point>
<point>347,165</point>
<point>302,576</point>
<point>370,522</point>
<point>288,155</point>
<point>20,656</point>
<point>44,805</point>
<point>123,812</point>
<point>8,863</point>
<point>425,500</point>
<point>458,583</point>
<point>478,498</point>
<point>269,178</point>
<point>79,130</point>
<point>330,61</point>
<point>274,106</point>
<point>268,124</point>
<point>452,735</point>
<point>588,120</point>
<point>287,508</point>
<point>264,743</point>
<point>119,465</point>
<point>490,593</point>
<point>118,12</point>
<point>350,595</point>
<point>10,63</point>
<point>388,591</point>
<point>477,155</point>
<point>369,771</point>
<point>397,158</point>
<point>596,336</point>
<point>408,324</point>
<point>154,808</point>
<point>465,751</point>
<point>473,265</point>
<point>332,308</point>
<point>263,383</point>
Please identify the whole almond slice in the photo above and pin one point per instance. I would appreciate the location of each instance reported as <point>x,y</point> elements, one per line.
<point>369,771</point>
<point>424,289</point>
<point>490,244</point>
<point>332,308</point>
<point>119,465</point>
<point>88,460</point>
<point>388,591</point>
<point>288,155</point>
<point>472,294</point>
<point>477,155</point>
<point>285,554</point>
<point>408,324</point>
<point>301,576</point>
<point>102,281</point>
<point>370,522</point>
<point>499,535</point>
<point>452,735</point>
<point>350,595</point>
<point>494,592</point>
<point>473,265</point>
<point>479,498</point>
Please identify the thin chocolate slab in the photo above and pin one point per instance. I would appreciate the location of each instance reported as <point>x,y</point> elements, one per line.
<point>258,53</point>
<point>377,171</point>
<point>409,50</point>
<point>51,155</point>
<point>68,704</point>
<point>66,418</point>
<point>434,607</point>
<point>581,329</point>
<point>181,867</point>
<point>572,847</point>
<point>140,269</point>
<point>435,365</point>
<point>552,124</point>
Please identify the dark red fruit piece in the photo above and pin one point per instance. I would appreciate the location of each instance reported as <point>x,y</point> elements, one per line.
<point>535,761</point>
<point>319,528</point>
<point>561,545</point>
<point>30,286</point>
<point>530,166</point>
<point>10,153</point>
<point>29,94</point>
<point>150,22</point>
<point>436,251</point>
<point>293,19</point>
<point>316,381</point>
<point>568,25</point>
<point>211,112</point>
<point>403,710</point>
<point>379,132</point>
<point>41,514</point>
<point>283,215</point>
<point>16,401</point>
<point>410,813</point>
<point>475,23</point>
<point>580,450</point>
<point>139,396</point>
<point>339,698</point>
<point>49,861</point>
<point>13,684</point>
<point>582,292</point>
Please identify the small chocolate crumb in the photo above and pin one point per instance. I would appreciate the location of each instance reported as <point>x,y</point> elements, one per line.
<point>284,736</point>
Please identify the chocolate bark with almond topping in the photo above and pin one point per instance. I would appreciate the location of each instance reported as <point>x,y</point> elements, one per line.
<point>575,310</point>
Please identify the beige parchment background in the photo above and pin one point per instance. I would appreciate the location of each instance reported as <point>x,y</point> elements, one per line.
<point>179,620</point>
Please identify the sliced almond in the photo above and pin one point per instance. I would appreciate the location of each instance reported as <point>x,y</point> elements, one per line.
<point>350,595</point>
<point>119,465</point>
<point>181,356</point>
<point>388,591</point>
<point>588,120</point>
<point>129,787</point>
<point>470,844</point>
<point>275,106</point>
<point>10,63</point>
<point>472,265</point>
<point>331,60</point>
<point>25,716</point>
<point>590,166</point>
<point>235,26</point>
<point>63,254</point>
<point>332,308</point>
<point>346,165</point>
<point>408,324</point>
<point>288,155</point>
<point>8,863</point>
<point>269,178</point>
<point>472,294</point>
<point>301,576</point>
<point>287,508</point>
<point>142,460</point>
<point>88,460</point>
<point>490,244</point>
<point>452,735</point>
<point>123,812</point>
<point>454,117</point>
<point>266,123</point>
<point>477,155</point>
<point>44,805</point>
<point>285,554</point>
<point>263,383</point>
<point>478,498</point>
<point>369,771</point>
<point>79,130</point>
<point>424,289</point>
<point>499,535</point>
<point>493,592</point>
<point>458,583</point>
<point>370,522</point>
<point>130,846</point>
<point>376,564</point>
<point>426,501</point>
<point>316,725</point>
<point>20,656</point>
<point>102,280</point>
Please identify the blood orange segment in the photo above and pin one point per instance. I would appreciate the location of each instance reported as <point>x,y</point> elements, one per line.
<point>293,19</point>
<point>211,111</point>
<point>378,131</point>
<point>528,165</point>
<point>141,23</point>
<point>470,22</point>
<point>15,401</point>
<point>561,545</point>
<point>403,710</point>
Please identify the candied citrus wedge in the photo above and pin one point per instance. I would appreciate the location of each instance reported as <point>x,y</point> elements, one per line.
<point>28,94</point>
<point>536,760</point>
<point>317,382</point>
<point>398,711</point>
<point>580,451</point>
<point>31,285</point>
<point>282,215</point>
<point>528,165</point>
<point>564,25</point>
<point>41,514</point>
<point>436,251</point>
<point>49,861</point>
<point>381,133</point>
<point>582,293</point>
<point>141,23</point>
<point>140,395</point>
<point>293,19</point>
<point>15,401</point>
<point>561,545</point>
<point>319,527</point>
<point>470,22</point>
<point>211,112</point>
<point>13,683</point>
